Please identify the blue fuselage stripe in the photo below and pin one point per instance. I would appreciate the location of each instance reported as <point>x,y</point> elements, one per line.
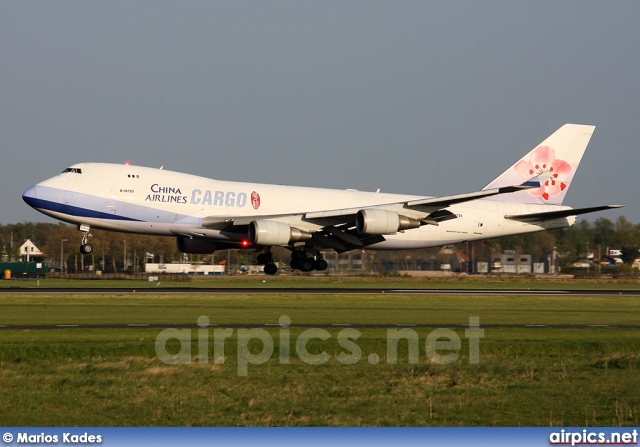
<point>73,210</point>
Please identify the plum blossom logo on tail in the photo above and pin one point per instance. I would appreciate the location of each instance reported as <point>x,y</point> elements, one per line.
<point>255,200</point>
<point>550,170</point>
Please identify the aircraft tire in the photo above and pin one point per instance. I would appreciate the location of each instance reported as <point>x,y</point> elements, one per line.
<point>270,269</point>
<point>307,265</point>
<point>321,265</point>
<point>86,249</point>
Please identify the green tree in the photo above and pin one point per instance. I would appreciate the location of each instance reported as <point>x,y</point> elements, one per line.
<point>603,231</point>
<point>626,234</point>
<point>572,242</point>
<point>629,253</point>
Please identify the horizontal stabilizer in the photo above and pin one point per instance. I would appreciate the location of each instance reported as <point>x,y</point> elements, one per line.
<point>548,215</point>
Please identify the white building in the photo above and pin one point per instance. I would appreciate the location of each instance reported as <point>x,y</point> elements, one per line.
<point>30,252</point>
<point>511,262</point>
<point>184,268</point>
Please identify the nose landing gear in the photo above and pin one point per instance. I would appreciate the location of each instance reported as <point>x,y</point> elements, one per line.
<point>85,247</point>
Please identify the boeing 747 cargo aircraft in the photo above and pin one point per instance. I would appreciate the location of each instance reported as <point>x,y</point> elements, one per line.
<point>205,215</point>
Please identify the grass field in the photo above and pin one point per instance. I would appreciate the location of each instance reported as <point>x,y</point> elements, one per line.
<point>525,376</point>
<point>336,281</point>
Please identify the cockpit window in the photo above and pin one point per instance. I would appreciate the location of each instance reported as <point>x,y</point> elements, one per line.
<point>76,170</point>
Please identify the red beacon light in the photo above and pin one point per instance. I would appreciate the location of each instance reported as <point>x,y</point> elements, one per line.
<point>245,243</point>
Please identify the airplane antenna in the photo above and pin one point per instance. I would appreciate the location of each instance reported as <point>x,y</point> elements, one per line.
<point>161,166</point>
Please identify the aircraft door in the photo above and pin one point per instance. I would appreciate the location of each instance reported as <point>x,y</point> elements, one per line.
<point>478,226</point>
<point>68,196</point>
<point>112,201</point>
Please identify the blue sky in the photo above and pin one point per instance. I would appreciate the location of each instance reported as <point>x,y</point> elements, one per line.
<point>416,97</point>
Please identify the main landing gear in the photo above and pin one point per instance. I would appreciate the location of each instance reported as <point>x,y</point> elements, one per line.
<point>85,248</point>
<point>301,259</point>
<point>266,259</point>
<point>306,261</point>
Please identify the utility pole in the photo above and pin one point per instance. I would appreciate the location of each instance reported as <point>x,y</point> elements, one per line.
<point>473,257</point>
<point>62,241</point>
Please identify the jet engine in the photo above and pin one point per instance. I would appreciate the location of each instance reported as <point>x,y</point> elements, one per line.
<point>271,232</point>
<point>376,221</point>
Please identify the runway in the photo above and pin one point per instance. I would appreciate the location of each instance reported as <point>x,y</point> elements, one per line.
<point>311,326</point>
<point>309,291</point>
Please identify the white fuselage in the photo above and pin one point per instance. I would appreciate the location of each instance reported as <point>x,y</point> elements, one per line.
<point>155,201</point>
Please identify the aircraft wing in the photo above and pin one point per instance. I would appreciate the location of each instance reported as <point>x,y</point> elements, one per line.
<point>435,203</point>
<point>346,215</point>
<point>338,226</point>
<point>339,230</point>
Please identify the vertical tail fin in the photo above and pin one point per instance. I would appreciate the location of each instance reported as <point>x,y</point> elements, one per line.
<point>553,163</point>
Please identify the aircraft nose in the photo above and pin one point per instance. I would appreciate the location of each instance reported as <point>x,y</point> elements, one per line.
<point>29,196</point>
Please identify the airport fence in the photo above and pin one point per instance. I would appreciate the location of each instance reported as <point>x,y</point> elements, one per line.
<point>124,276</point>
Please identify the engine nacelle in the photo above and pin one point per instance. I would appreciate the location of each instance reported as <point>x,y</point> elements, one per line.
<point>271,232</point>
<point>375,221</point>
<point>195,245</point>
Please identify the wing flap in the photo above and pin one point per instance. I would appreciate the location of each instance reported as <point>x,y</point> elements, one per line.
<point>344,240</point>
